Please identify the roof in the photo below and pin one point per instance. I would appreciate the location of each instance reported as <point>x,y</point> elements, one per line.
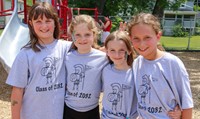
<point>187,6</point>
<point>180,12</point>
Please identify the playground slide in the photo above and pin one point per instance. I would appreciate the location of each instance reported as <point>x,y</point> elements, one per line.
<point>15,35</point>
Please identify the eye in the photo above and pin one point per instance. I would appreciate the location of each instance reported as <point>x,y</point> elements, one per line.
<point>147,38</point>
<point>77,36</point>
<point>48,21</point>
<point>111,51</point>
<point>122,51</point>
<point>38,22</point>
<point>135,39</point>
<point>87,35</point>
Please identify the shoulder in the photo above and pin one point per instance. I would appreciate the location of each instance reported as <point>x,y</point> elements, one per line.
<point>98,52</point>
<point>64,42</point>
<point>107,69</point>
<point>172,58</point>
<point>23,54</point>
<point>138,59</point>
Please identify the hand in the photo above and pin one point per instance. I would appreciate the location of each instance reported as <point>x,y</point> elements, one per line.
<point>176,113</point>
<point>122,26</point>
<point>100,21</point>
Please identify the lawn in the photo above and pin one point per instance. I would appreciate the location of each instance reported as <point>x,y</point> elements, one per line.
<point>180,43</point>
<point>1,30</point>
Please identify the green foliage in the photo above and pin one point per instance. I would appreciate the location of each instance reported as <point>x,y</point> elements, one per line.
<point>124,7</point>
<point>178,31</point>
<point>83,4</point>
<point>196,8</point>
<point>115,23</point>
<point>175,4</point>
<point>197,31</point>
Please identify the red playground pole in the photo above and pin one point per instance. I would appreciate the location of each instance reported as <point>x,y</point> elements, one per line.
<point>1,5</point>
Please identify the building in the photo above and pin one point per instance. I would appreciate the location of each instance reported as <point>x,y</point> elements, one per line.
<point>184,16</point>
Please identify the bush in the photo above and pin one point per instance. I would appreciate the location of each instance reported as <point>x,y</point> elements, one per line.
<point>179,31</point>
<point>115,23</point>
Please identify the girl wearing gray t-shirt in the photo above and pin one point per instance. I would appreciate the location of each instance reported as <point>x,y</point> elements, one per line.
<point>38,73</point>
<point>119,97</point>
<point>84,65</point>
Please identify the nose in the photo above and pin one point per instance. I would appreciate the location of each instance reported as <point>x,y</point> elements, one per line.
<point>142,43</point>
<point>82,38</point>
<point>117,54</point>
<point>44,24</point>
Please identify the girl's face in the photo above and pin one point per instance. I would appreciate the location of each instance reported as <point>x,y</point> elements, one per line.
<point>84,38</point>
<point>117,52</point>
<point>44,28</point>
<point>145,39</point>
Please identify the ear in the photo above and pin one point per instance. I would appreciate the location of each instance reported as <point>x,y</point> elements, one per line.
<point>159,35</point>
<point>30,22</point>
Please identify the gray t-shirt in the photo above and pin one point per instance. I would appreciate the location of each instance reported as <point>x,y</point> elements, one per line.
<point>84,79</point>
<point>161,84</point>
<point>42,75</point>
<point>119,96</point>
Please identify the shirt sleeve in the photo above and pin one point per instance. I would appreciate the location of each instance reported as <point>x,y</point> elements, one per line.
<point>18,75</point>
<point>183,86</point>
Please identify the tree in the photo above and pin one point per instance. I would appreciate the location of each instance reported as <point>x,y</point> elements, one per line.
<point>155,7</point>
<point>115,7</point>
<point>161,5</point>
<point>85,4</point>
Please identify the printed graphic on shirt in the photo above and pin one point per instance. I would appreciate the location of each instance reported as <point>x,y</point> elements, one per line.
<point>49,72</point>
<point>145,94</point>
<point>116,98</point>
<point>144,89</point>
<point>49,69</point>
<point>78,77</point>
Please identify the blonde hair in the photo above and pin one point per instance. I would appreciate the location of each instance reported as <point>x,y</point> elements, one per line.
<point>41,9</point>
<point>149,19</point>
<point>145,18</point>
<point>123,36</point>
<point>91,26</point>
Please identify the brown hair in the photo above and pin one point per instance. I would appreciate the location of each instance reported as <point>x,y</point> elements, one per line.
<point>91,26</point>
<point>123,36</point>
<point>146,18</point>
<point>41,9</point>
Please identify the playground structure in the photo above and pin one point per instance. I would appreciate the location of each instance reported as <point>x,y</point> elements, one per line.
<point>16,33</point>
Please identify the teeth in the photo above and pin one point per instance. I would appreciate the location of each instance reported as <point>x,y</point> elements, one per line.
<point>142,49</point>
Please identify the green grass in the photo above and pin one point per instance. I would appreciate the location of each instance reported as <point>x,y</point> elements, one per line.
<point>1,30</point>
<point>180,43</point>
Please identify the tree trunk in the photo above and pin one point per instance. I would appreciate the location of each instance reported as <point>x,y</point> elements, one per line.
<point>102,4</point>
<point>159,8</point>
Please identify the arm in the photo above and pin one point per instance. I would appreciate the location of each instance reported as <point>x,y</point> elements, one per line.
<point>106,25</point>
<point>187,113</point>
<point>101,24</point>
<point>16,102</point>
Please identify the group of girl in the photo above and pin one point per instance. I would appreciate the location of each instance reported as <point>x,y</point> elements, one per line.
<point>51,75</point>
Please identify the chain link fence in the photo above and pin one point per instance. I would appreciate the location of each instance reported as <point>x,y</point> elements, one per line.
<point>178,34</point>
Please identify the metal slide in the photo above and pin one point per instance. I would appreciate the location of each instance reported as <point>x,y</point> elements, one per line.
<point>15,35</point>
